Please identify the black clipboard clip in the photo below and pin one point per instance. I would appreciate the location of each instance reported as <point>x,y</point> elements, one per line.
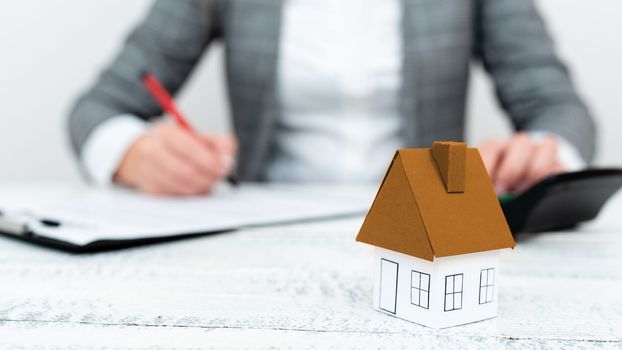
<point>19,225</point>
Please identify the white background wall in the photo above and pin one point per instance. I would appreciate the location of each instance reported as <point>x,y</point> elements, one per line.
<point>50,50</point>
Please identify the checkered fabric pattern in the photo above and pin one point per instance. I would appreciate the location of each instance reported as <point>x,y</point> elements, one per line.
<point>441,39</point>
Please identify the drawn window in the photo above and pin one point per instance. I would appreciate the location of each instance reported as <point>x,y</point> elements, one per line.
<point>453,292</point>
<point>420,289</point>
<point>486,286</point>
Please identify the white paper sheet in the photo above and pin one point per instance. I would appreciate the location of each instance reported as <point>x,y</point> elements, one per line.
<point>89,215</point>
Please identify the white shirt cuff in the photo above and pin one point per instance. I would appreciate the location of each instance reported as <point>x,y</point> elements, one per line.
<point>106,146</point>
<point>567,154</point>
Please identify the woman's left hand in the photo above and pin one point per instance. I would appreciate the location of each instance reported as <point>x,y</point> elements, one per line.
<point>518,162</point>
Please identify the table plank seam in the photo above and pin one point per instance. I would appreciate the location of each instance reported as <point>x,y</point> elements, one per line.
<point>303,330</point>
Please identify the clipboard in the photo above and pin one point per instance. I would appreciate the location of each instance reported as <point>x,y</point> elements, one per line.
<point>87,220</point>
<point>23,233</point>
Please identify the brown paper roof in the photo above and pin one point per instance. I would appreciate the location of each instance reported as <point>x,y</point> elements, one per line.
<point>414,214</point>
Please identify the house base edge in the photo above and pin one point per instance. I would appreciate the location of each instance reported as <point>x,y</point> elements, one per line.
<point>433,325</point>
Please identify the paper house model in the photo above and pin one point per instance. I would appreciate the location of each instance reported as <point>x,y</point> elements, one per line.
<point>438,230</point>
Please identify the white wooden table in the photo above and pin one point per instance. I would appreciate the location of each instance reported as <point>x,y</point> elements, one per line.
<point>298,286</point>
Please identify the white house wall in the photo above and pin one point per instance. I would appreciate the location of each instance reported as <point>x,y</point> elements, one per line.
<point>404,309</point>
<point>469,265</point>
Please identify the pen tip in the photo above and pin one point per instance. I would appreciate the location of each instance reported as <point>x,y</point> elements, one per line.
<point>233,180</point>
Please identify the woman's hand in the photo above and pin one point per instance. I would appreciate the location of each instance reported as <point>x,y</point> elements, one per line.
<point>169,160</point>
<point>518,162</point>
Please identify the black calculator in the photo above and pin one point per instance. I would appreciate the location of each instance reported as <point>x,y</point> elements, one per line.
<point>561,201</point>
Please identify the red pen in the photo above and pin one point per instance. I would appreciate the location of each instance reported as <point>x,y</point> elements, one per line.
<point>166,102</point>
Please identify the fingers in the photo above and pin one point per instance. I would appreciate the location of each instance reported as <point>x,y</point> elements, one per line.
<point>162,185</point>
<point>543,163</point>
<point>226,146</point>
<point>492,153</point>
<point>225,143</point>
<point>515,163</point>
<point>155,169</point>
<point>204,159</point>
<point>170,161</point>
<point>520,161</point>
<point>179,177</point>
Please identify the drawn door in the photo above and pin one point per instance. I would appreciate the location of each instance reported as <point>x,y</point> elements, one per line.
<point>388,285</point>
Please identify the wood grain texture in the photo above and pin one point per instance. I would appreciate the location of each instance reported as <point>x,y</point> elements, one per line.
<point>299,286</point>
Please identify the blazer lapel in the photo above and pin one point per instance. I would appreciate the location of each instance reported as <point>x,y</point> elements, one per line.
<point>437,52</point>
<point>417,68</point>
<point>252,43</point>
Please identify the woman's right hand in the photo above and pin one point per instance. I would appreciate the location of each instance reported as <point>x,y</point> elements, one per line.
<point>169,160</point>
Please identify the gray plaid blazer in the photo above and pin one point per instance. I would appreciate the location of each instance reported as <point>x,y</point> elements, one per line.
<point>440,39</point>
